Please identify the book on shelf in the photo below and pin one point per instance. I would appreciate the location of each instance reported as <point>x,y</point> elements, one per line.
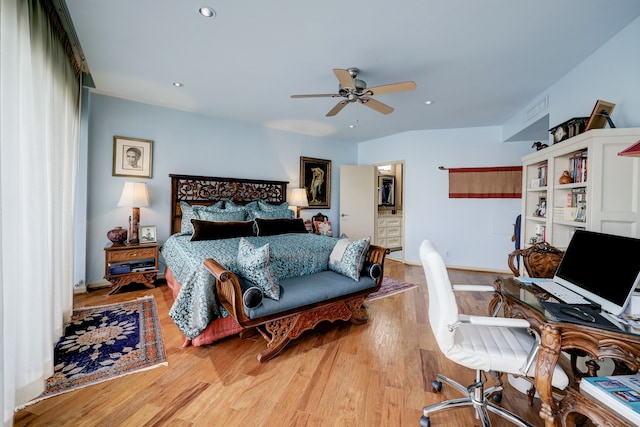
<point>541,233</point>
<point>146,264</point>
<point>542,174</point>
<point>141,269</point>
<point>620,393</point>
<point>578,167</point>
<point>119,268</point>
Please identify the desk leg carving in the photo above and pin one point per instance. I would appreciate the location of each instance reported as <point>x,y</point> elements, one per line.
<point>545,364</point>
<point>592,367</point>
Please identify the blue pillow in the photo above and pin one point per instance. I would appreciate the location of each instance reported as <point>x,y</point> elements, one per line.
<point>347,257</point>
<point>264,206</point>
<point>253,265</point>
<point>273,214</point>
<point>189,213</point>
<point>231,206</point>
<point>220,215</point>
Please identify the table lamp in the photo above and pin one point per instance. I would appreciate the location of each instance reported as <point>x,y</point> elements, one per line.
<point>135,195</point>
<point>299,200</point>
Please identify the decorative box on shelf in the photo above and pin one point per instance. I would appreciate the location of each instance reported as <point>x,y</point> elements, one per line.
<point>568,129</point>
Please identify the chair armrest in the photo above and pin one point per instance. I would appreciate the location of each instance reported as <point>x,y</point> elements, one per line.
<point>474,288</point>
<point>508,322</point>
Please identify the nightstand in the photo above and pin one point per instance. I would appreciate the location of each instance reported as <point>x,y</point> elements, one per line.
<point>133,263</point>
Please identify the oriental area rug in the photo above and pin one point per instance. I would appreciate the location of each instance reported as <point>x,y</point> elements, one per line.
<point>106,342</point>
<point>390,286</point>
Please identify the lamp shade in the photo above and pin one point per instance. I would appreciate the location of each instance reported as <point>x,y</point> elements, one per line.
<point>299,198</point>
<point>134,194</point>
<point>633,151</point>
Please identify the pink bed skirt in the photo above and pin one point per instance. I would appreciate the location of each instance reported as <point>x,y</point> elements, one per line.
<point>216,330</point>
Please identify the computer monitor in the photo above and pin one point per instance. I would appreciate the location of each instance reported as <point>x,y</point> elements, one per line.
<point>603,268</point>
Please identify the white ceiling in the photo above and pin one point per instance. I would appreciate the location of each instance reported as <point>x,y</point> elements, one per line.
<point>479,61</point>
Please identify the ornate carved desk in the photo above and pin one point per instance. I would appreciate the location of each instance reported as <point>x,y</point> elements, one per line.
<point>622,347</point>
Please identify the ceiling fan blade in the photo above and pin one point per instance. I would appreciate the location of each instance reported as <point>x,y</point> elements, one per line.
<point>339,106</point>
<point>317,95</point>
<point>344,77</point>
<point>376,105</point>
<point>391,88</point>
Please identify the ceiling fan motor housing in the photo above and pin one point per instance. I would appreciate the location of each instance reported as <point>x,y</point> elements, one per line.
<point>360,86</point>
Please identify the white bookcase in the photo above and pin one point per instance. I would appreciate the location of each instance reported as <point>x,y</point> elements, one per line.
<point>605,192</point>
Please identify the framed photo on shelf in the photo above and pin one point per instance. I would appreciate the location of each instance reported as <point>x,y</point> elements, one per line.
<point>132,157</point>
<point>600,115</point>
<point>541,209</point>
<point>315,177</point>
<point>147,234</point>
<point>581,211</point>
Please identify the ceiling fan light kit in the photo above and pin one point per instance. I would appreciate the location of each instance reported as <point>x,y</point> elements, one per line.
<point>355,90</point>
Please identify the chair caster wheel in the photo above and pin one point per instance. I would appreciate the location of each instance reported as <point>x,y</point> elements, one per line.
<point>497,397</point>
<point>425,421</point>
<point>436,385</point>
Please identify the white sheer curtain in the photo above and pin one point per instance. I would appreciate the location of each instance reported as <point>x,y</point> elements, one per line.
<point>39,122</point>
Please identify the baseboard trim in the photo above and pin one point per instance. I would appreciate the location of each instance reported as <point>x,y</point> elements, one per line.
<point>97,285</point>
<point>463,267</point>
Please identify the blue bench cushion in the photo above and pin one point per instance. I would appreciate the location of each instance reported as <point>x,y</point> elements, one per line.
<point>300,291</point>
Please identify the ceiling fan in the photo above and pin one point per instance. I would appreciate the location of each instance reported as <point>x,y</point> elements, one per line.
<point>353,89</point>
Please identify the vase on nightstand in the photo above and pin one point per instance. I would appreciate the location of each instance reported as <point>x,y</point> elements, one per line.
<point>118,235</point>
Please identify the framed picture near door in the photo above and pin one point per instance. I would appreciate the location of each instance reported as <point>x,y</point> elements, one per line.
<point>315,176</point>
<point>386,190</point>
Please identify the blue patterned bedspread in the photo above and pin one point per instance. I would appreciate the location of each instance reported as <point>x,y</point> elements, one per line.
<point>197,304</point>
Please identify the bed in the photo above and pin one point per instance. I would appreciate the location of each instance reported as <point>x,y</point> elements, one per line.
<point>196,309</point>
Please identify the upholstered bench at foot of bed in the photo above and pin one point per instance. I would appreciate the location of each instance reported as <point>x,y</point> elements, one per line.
<point>305,301</point>
<point>305,290</point>
<point>281,331</point>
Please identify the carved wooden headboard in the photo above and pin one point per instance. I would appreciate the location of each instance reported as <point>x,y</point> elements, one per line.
<point>207,190</point>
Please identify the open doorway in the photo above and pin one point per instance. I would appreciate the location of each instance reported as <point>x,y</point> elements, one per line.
<point>390,213</point>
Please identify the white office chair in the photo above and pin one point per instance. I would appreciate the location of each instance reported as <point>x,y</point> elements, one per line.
<point>483,343</point>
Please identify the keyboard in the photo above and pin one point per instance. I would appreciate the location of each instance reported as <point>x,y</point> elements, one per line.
<point>561,293</point>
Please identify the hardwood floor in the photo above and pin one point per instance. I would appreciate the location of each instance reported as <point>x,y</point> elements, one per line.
<point>378,374</point>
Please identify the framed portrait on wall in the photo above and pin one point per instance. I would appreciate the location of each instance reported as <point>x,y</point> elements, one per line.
<point>132,157</point>
<point>315,176</point>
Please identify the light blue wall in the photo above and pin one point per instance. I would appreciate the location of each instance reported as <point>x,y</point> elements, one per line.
<point>475,232</point>
<point>610,74</point>
<point>186,143</point>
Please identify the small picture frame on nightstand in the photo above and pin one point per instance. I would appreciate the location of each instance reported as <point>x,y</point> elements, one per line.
<point>147,234</point>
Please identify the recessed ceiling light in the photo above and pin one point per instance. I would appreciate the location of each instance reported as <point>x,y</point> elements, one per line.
<point>352,126</point>
<point>177,84</point>
<point>207,12</point>
<point>428,102</point>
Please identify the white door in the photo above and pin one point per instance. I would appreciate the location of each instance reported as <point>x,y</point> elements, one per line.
<point>358,201</point>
